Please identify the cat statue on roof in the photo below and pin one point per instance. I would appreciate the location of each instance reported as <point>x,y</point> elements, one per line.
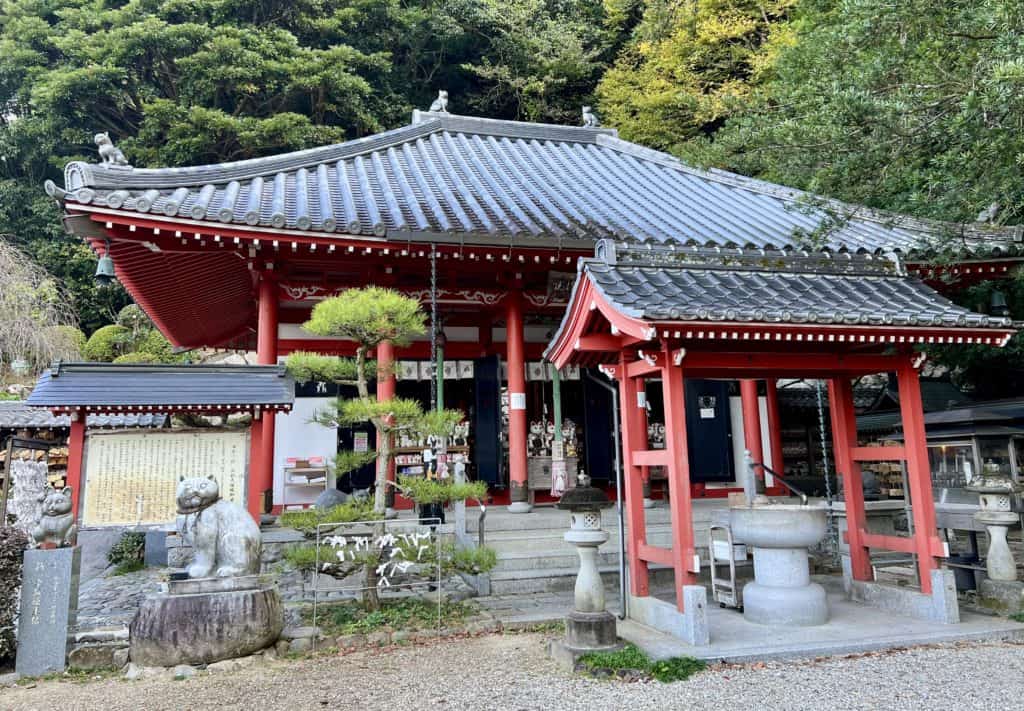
<point>225,539</point>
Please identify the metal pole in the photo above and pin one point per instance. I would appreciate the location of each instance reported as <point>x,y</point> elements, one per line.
<point>439,373</point>
<point>618,490</point>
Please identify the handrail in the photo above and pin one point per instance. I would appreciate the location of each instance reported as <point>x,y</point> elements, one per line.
<point>782,480</point>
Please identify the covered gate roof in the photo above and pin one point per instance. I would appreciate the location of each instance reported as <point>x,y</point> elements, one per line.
<point>121,388</point>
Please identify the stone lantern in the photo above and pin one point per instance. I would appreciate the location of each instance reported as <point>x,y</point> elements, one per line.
<point>589,627</point>
<point>995,490</point>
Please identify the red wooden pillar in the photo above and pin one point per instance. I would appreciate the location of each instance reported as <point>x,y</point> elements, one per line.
<point>385,391</point>
<point>519,494</point>
<point>844,438</point>
<point>634,439</point>
<point>751,422</point>
<point>261,468</point>
<point>76,458</point>
<point>680,504</point>
<point>645,472</point>
<point>919,477</point>
<point>774,425</point>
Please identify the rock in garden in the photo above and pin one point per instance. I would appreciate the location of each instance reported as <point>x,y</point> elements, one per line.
<point>329,499</point>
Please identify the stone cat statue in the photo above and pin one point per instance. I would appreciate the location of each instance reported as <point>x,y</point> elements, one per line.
<point>225,540</point>
<point>57,524</point>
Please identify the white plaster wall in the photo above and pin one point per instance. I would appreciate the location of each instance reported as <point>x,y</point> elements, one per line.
<point>739,444</point>
<point>296,436</point>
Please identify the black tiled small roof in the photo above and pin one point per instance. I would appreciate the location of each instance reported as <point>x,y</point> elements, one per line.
<point>760,287</point>
<point>118,387</point>
<point>18,415</point>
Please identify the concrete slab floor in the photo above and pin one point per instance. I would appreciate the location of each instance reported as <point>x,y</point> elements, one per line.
<point>852,628</point>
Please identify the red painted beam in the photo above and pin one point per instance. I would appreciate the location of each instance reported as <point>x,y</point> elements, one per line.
<point>655,554</point>
<point>649,457</point>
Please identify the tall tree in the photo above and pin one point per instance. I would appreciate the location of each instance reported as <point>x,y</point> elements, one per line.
<point>690,66</point>
<point>37,324</point>
<point>912,106</point>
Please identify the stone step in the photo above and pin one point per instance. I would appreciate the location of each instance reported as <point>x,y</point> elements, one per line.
<point>552,560</point>
<point>518,582</point>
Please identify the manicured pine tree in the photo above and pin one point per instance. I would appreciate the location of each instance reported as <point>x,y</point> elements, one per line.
<point>369,316</point>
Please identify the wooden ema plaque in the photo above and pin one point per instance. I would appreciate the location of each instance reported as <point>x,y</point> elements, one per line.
<point>131,477</point>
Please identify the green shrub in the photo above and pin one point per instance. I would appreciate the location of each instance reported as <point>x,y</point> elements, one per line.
<point>307,520</point>
<point>106,343</point>
<point>130,549</point>
<point>631,658</point>
<point>473,560</point>
<point>441,491</point>
<point>129,566</point>
<point>13,543</point>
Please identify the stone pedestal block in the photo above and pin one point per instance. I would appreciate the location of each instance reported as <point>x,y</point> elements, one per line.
<point>591,631</point>
<point>49,606</point>
<point>205,627</point>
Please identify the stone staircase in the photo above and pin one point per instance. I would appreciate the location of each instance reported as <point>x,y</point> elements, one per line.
<point>533,556</point>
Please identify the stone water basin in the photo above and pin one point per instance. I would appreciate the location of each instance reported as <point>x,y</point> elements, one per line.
<point>780,534</point>
<point>779,525</point>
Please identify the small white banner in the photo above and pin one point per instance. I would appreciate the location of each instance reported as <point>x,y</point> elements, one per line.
<point>517,401</point>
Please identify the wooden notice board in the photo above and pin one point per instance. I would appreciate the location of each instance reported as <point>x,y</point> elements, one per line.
<point>131,477</point>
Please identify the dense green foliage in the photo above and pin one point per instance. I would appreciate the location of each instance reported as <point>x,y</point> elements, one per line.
<point>913,106</point>
<point>307,520</point>
<point>132,339</point>
<point>128,554</point>
<point>690,66</point>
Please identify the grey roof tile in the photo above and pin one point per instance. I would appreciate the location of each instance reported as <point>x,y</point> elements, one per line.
<point>662,285</point>
<point>19,415</point>
<point>116,386</point>
<point>462,178</point>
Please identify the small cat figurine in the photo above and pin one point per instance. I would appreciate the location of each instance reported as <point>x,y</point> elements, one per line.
<point>225,539</point>
<point>440,104</point>
<point>57,524</point>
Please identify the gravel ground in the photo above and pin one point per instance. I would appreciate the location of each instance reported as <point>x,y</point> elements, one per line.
<point>501,672</point>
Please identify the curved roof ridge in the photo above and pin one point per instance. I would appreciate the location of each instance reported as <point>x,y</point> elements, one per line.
<point>79,174</point>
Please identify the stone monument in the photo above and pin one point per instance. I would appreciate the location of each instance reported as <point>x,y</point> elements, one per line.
<point>589,627</point>
<point>222,608</point>
<point>49,589</point>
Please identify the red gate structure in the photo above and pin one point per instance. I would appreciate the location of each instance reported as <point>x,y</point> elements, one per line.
<point>661,313</point>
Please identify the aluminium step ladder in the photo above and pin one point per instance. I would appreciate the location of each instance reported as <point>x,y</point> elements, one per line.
<point>722,553</point>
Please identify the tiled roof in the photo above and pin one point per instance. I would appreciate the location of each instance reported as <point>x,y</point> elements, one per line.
<point>102,385</point>
<point>738,286</point>
<point>18,415</point>
<point>481,181</point>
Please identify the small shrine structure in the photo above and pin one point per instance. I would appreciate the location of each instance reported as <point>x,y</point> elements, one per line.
<point>668,313</point>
